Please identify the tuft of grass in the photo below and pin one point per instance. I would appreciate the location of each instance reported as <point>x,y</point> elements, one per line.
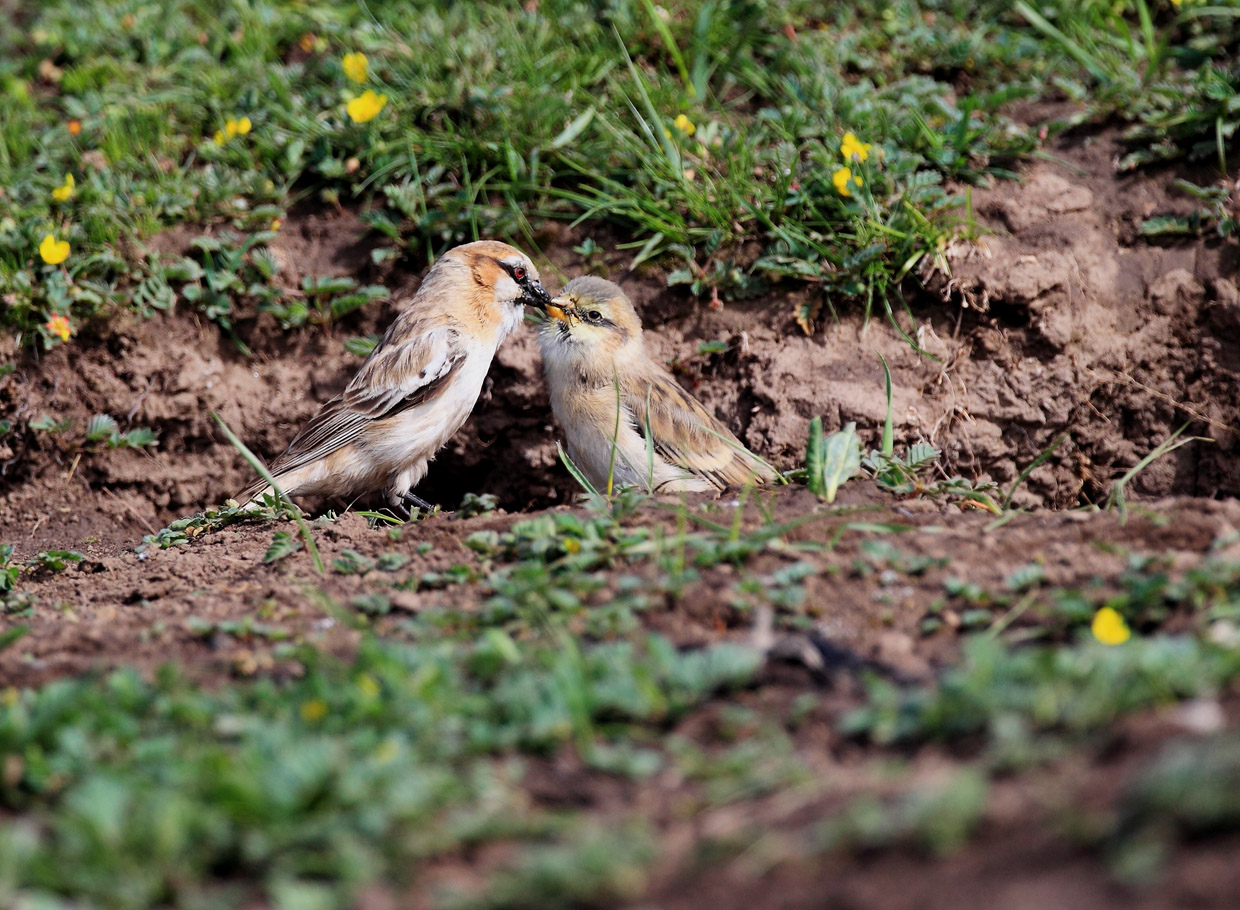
<point>1116,499</point>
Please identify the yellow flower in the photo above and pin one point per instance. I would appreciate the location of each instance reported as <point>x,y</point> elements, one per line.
<point>365,107</point>
<point>64,192</point>
<point>1109,627</point>
<point>59,325</point>
<point>313,710</point>
<point>75,127</point>
<point>572,545</point>
<point>842,178</point>
<point>275,225</point>
<point>367,685</point>
<point>54,251</point>
<point>231,129</point>
<point>685,125</point>
<point>852,148</point>
<point>355,66</point>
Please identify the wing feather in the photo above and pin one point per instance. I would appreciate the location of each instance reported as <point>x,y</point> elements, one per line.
<point>395,377</point>
<point>686,435</point>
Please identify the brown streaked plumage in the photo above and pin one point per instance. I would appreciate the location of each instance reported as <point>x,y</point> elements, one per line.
<point>611,397</point>
<point>417,386</point>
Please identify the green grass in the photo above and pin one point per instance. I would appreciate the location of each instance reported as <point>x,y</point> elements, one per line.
<point>135,794</point>
<point>496,119</point>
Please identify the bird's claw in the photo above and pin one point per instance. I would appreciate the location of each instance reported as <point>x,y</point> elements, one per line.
<point>408,500</point>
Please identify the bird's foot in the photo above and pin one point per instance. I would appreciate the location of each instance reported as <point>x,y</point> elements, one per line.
<point>414,500</point>
<point>408,501</point>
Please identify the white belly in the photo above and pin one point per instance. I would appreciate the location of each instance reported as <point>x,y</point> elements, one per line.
<point>402,445</point>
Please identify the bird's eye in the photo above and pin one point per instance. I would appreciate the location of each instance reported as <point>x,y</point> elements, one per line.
<point>594,316</point>
<point>518,272</point>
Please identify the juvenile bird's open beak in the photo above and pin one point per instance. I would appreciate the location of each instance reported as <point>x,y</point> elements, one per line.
<point>555,309</point>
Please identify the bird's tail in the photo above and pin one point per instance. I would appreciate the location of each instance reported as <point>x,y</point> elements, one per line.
<point>252,495</point>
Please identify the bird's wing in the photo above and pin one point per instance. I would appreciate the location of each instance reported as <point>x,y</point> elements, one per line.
<point>686,435</point>
<point>394,378</point>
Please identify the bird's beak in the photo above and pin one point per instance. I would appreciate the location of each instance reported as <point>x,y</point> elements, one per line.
<point>555,309</point>
<point>535,295</point>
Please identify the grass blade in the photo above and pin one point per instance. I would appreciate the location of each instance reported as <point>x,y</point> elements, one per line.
<point>1033,465</point>
<point>815,458</point>
<point>888,446</point>
<point>669,42</point>
<point>1116,498</point>
<point>262,471</point>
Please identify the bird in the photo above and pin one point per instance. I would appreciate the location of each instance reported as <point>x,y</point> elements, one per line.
<point>626,420</point>
<point>417,386</point>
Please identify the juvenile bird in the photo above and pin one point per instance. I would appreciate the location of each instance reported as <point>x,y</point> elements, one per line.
<point>611,398</point>
<point>417,386</point>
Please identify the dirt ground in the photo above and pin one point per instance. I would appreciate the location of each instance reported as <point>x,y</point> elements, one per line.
<point>1060,318</point>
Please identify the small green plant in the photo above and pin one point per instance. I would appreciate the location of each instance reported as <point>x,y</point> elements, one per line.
<point>474,504</point>
<point>54,560</point>
<point>282,544</point>
<point>102,428</point>
<point>832,460</point>
<point>9,571</point>
<point>1220,211</point>
<point>51,426</point>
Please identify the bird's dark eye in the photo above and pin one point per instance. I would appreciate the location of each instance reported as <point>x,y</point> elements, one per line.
<point>518,272</point>
<point>594,316</point>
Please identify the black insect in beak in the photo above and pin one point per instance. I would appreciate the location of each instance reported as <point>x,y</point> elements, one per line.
<point>534,294</point>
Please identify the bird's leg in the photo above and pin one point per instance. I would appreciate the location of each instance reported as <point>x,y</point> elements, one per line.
<point>409,499</point>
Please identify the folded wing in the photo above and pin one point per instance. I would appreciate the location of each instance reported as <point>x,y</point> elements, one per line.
<point>686,435</point>
<point>394,378</point>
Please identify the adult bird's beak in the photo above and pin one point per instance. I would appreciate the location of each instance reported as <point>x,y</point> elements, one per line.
<point>555,309</point>
<point>535,295</point>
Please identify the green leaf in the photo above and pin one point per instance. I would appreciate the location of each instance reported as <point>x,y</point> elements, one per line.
<point>888,444</point>
<point>843,460</point>
<point>815,458</point>
<point>921,453</point>
<point>282,544</point>
<point>321,286</point>
<point>1164,225</point>
<point>138,438</point>
<point>55,560</point>
<point>361,346</point>
<point>11,636</point>
<point>101,426</point>
<point>573,130</point>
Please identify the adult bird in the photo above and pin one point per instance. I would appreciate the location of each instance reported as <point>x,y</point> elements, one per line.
<point>417,386</point>
<point>626,420</point>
